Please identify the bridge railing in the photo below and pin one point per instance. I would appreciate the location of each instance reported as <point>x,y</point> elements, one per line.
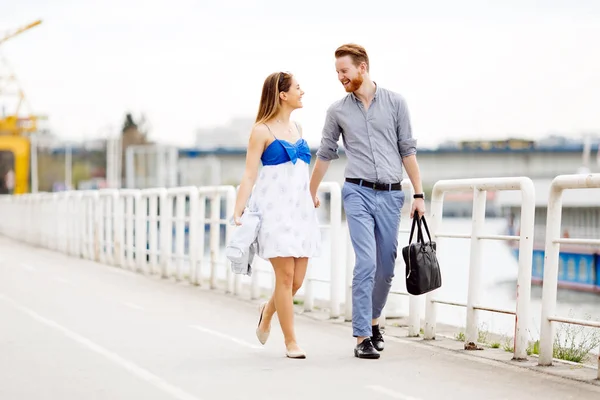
<point>479,187</point>
<point>157,231</point>
<point>151,230</point>
<point>551,261</point>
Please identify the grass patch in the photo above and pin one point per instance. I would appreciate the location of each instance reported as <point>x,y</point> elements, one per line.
<point>574,342</point>
<point>482,334</point>
<point>508,345</point>
<point>460,336</point>
<point>533,348</point>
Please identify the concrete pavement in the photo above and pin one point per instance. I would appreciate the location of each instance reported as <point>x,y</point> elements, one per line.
<point>74,329</point>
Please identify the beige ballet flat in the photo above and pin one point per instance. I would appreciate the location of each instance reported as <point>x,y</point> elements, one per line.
<point>295,353</point>
<point>262,336</point>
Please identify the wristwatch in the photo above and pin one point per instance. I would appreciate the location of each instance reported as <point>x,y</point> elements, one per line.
<point>419,196</point>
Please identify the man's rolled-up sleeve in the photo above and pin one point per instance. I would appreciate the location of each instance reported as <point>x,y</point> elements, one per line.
<point>407,145</point>
<point>328,150</point>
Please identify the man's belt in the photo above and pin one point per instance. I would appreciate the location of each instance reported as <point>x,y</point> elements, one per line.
<point>375,185</point>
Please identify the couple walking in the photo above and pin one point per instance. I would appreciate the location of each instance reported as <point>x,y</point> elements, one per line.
<point>376,132</point>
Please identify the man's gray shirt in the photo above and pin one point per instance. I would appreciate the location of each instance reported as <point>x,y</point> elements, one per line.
<point>375,140</point>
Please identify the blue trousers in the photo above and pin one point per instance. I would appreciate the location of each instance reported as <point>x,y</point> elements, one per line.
<point>373,219</point>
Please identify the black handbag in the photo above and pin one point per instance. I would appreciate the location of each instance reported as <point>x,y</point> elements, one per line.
<point>422,268</point>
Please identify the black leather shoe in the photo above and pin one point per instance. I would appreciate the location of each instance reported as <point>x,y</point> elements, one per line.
<point>366,350</point>
<point>377,338</point>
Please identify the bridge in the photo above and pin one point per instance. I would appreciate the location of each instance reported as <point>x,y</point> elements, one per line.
<point>105,295</point>
<point>226,165</point>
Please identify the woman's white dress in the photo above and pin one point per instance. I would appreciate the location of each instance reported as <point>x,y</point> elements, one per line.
<point>289,225</point>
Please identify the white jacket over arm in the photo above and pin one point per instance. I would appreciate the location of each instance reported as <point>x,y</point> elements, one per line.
<point>243,244</point>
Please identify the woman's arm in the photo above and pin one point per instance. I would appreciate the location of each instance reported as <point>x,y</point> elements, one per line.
<point>256,145</point>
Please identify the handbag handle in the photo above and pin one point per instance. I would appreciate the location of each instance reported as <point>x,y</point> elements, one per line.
<point>417,222</point>
<point>426,228</point>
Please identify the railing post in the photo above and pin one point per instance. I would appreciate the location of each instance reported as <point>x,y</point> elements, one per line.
<point>336,276</point>
<point>78,223</point>
<point>525,264</point>
<point>165,232</point>
<point>350,261</point>
<point>117,228</point>
<point>414,318</point>
<point>179,201</point>
<point>437,204</point>
<point>108,227</point>
<point>97,224</point>
<point>193,233</point>
<point>234,283</point>
<point>215,225</point>
<point>152,226</point>
<point>141,209</point>
<point>309,295</point>
<point>130,224</point>
<point>199,242</point>
<point>479,199</point>
<point>550,286</point>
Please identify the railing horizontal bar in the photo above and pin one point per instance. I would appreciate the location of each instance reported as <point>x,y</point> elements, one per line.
<point>450,303</point>
<point>595,242</point>
<point>498,310</point>
<point>454,235</point>
<point>592,324</point>
<point>319,280</point>
<point>499,237</point>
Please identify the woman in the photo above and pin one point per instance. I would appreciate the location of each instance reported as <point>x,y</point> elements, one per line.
<point>289,232</point>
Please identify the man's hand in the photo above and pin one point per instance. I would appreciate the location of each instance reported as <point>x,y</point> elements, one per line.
<point>419,206</point>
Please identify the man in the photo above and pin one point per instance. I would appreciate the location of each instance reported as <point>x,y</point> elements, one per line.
<point>376,132</point>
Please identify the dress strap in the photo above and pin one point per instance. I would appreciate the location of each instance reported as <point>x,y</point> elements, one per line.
<point>270,131</point>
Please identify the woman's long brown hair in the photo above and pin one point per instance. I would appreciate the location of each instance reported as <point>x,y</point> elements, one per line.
<point>270,103</point>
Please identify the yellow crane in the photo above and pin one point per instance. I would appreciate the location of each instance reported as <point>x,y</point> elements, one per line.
<point>15,145</point>
<point>14,124</point>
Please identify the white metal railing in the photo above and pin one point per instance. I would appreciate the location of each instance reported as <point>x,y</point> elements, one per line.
<point>480,188</point>
<point>214,194</point>
<point>551,261</point>
<point>147,230</point>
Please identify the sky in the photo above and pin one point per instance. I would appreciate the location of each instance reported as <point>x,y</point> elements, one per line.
<point>467,68</point>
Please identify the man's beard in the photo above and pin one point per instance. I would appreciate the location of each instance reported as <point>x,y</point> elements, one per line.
<point>354,84</point>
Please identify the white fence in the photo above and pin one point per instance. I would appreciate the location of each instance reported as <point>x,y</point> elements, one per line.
<point>551,260</point>
<point>479,187</point>
<point>163,231</point>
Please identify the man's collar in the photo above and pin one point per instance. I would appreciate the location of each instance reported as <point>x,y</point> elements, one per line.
<point>374,97</point>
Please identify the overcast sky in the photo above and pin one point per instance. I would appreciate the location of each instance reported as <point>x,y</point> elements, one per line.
<point>467,69</point>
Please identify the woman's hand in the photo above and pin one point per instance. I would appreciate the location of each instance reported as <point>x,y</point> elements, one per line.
<point>237,217</point>
<point>316,201</point>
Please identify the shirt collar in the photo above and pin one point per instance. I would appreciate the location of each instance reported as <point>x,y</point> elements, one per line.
<point>374,97</point>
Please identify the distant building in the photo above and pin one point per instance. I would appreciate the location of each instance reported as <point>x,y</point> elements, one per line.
<point>233,135</point>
